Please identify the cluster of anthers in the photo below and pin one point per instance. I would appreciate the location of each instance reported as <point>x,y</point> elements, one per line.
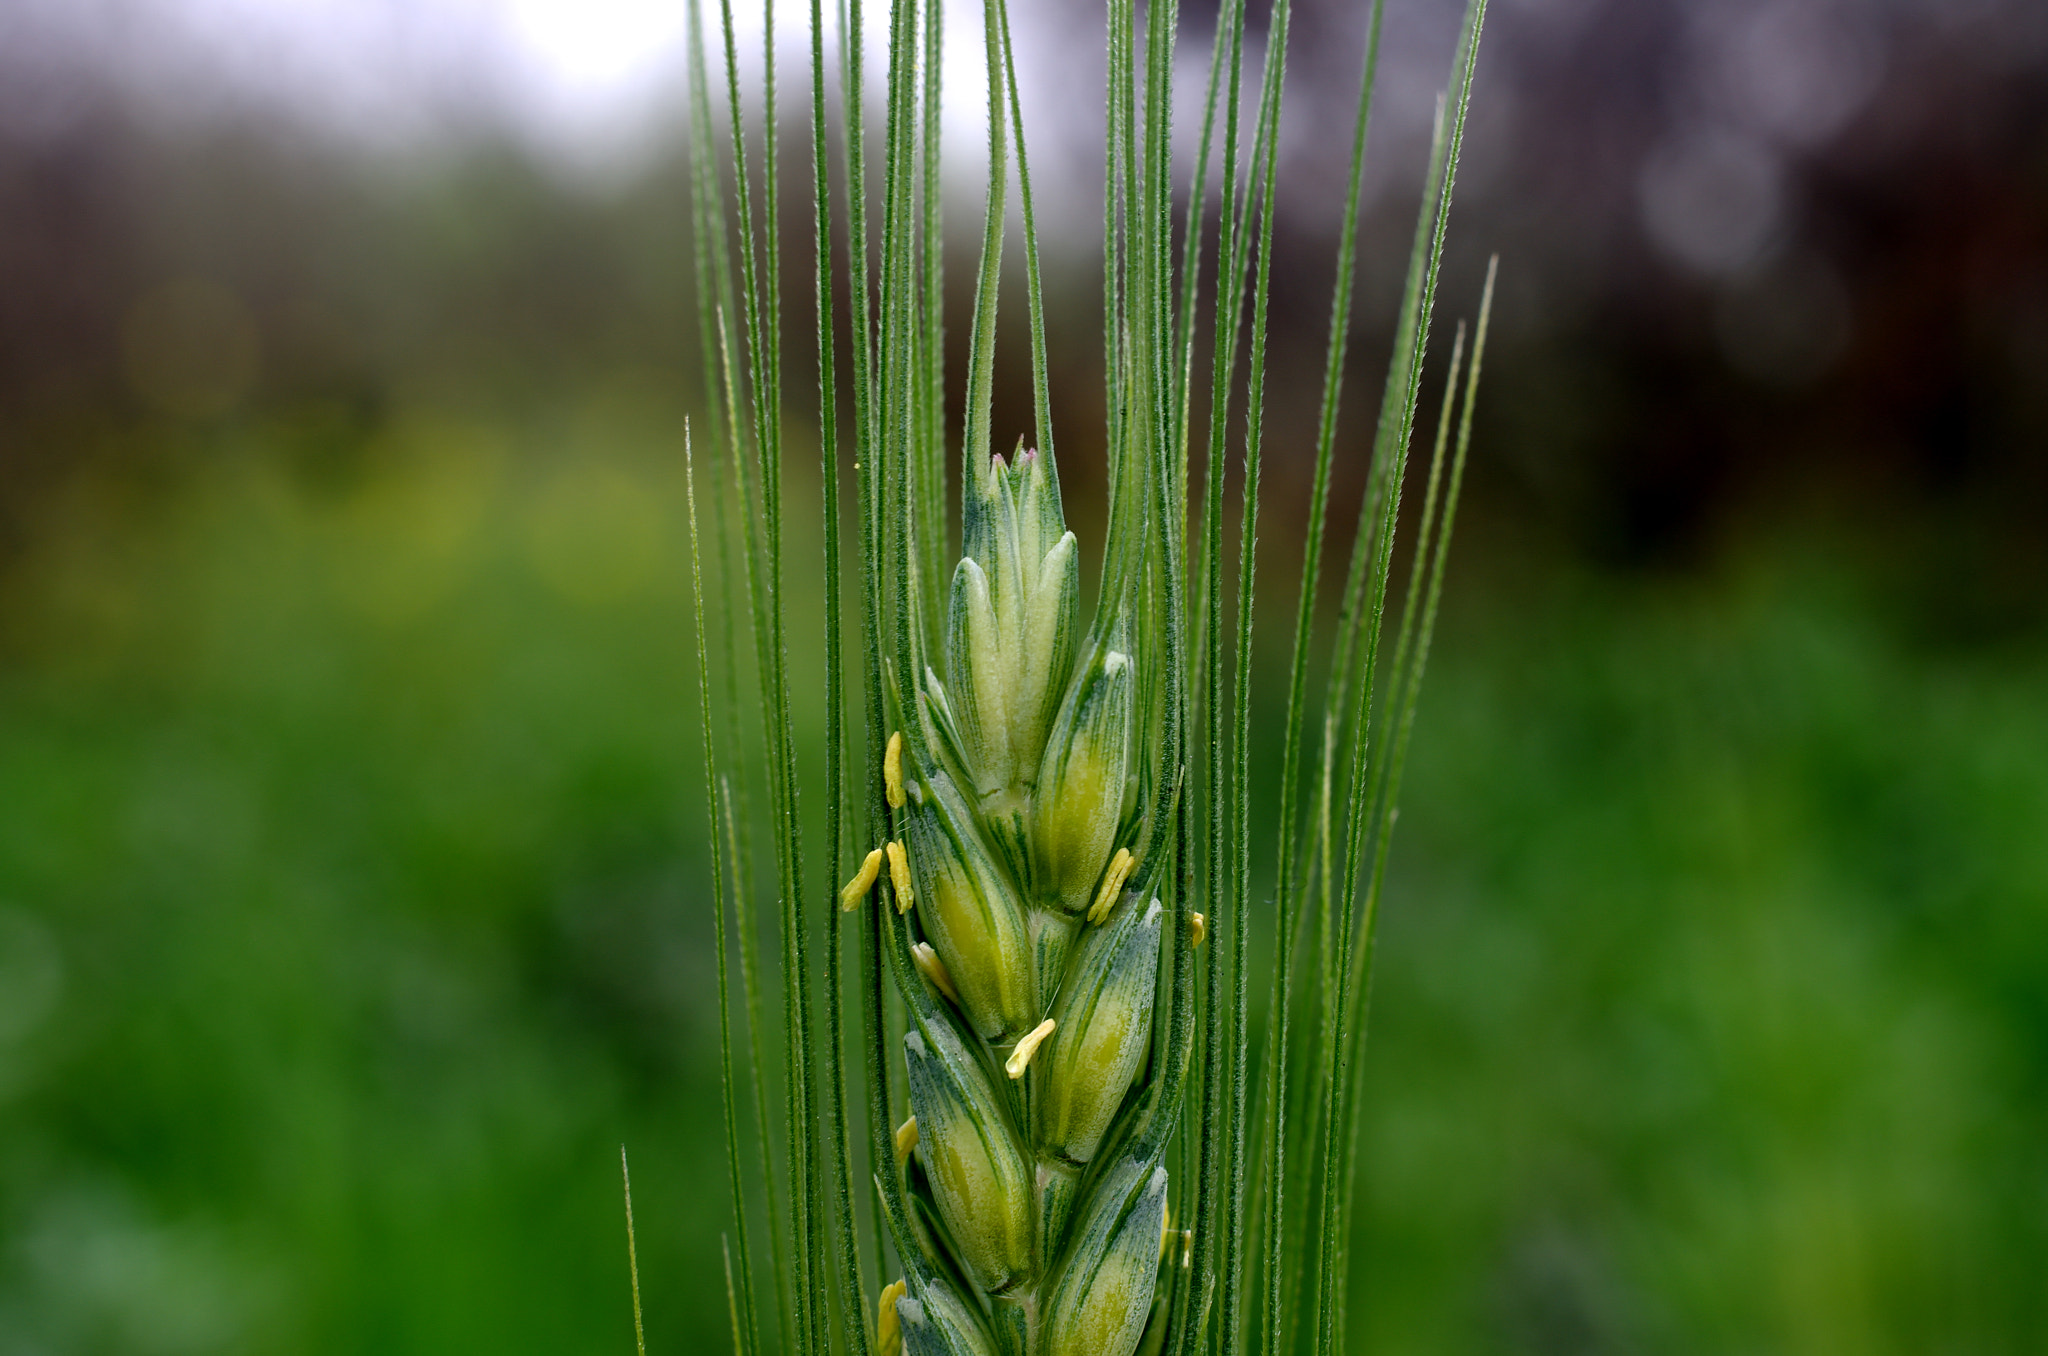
<point>1029,1229</point>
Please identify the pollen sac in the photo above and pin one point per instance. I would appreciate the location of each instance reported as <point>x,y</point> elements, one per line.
<point>1104,1294</point>
<point>936,1321</point>
<point>1010,621</point>
<point>888,1325</point>
<point>979,1179</point>
<point>971,916</point>
<point>1080,792</point>
<point>1102,1032</point>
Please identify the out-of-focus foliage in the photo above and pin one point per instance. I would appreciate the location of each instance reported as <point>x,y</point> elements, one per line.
<point>347,910</point>
<point>1712,1016</point>
<point>353,913</point>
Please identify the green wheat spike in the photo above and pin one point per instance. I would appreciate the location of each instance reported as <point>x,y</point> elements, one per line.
<point>1057,809</point>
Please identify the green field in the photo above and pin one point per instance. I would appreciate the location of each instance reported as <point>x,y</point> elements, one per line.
<point>353,911</point>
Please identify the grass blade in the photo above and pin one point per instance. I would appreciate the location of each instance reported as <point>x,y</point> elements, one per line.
<point>760,270</point>
<point>633,1253</point>
<point>981,345</point>
<point>928,450</point>
<point>867,407</point>
<point>744,921</point>
<point>714,301</point>
<point>746,1338</point>
<point>732,1300</point>
<point>1404,724</point>
<point>1355,939</point>
<point>1208,1154</point>
<point>1288,923</point>
<point>838,1166</point>
<point>1040,389</point>
<point>1240,885</point>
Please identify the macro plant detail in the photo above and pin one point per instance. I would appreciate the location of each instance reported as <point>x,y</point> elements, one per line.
<point>1017,1113</point>
<point>1031,993</point>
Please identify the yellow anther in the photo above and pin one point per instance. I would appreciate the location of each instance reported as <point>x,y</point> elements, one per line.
<point>1199,929</point>
<point>892,770</point>
<point>888,1330</point>
<point>863,881</point>
<point>1021,1056</point>
<point>899,876</point>
<point>1187,1248</point>
<point>934,969</point>
<point>1112,885</point>
<point>906,1139</point>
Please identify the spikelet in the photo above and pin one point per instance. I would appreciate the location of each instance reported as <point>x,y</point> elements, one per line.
<point>1105,1028</point>
<point>1010,623</point>
<point>971,915</point>
<point>1080,792</point>
<point>1104,1296</point>
<point>938,1321</point>
<point>979,1177</point>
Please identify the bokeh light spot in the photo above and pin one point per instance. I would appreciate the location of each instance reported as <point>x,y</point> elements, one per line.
<point>1800,72</point>
<point>1712,200</point>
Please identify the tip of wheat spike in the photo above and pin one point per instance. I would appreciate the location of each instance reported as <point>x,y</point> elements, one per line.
<point>892,770</point>
<point>906,1138</point>
<point>934,969</point>
<point>863,881</point>
<point>899,876</point>
<point>1020,1058</point>
<point>1112,885</point>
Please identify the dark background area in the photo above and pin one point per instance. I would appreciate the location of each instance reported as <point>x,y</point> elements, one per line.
<point>352,877</point>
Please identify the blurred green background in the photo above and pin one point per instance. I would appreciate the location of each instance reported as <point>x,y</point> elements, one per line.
<point>353,886</point>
